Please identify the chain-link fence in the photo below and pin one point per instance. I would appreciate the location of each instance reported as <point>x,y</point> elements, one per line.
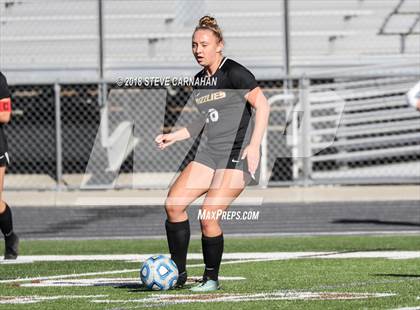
<point>321,131</point>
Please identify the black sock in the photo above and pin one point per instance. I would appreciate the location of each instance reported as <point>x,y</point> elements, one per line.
<point>6,224</point>
<point>212,252</point>
<point>178,235</point>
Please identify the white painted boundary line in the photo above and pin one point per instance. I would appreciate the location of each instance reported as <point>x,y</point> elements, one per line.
<point>240,258</point>
<point>76,275</point>
<point>66,276</point>
<point>235,256</point>
<point>36,299</point>
<point>168,299</point>
<point>142,257</point>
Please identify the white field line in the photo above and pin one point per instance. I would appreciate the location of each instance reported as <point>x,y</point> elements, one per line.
<point>36,299</point>
<point>167,299</point>
<point>142,257</point>
<point>66,276</point>
<point>242,258</point>
<point>77,275</point>
<point>247,255</point>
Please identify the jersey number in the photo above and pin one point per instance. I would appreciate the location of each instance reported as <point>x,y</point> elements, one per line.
<point>213,116</point>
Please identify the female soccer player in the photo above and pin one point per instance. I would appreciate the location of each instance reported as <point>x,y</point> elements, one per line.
<point>228,159</point>
<point>6,225</point>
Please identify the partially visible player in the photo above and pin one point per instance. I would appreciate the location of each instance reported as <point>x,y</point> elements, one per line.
<point>413,96</point>
<point>6,223</point>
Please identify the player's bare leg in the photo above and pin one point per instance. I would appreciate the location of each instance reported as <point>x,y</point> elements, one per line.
<point>193,182</point>
<point>225,188</point>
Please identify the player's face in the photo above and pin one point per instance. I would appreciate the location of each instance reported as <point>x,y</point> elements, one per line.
<point>205,47</point>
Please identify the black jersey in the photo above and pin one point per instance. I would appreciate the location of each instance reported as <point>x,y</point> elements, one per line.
<point>4,89</point>
<point>225,111</point>
<point>4,93</point>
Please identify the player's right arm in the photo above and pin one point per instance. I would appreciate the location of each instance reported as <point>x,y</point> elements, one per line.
<point>192,130</point>
<point>166,139</point>
<point>5,102</point>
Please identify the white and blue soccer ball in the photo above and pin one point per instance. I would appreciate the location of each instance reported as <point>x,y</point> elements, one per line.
<point>159,273</point>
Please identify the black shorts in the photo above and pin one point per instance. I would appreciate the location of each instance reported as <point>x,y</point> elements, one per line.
<point>4,159</point>
<point>232,160</point>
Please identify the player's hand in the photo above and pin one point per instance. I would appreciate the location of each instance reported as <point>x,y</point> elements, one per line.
<point>164,140</point>
<point>252,155</point>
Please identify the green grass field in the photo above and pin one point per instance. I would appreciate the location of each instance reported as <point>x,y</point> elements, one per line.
<point>291,281</point>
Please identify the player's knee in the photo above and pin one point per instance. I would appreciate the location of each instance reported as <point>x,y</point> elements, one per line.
<point>173,211</point>
<point>209,227</point>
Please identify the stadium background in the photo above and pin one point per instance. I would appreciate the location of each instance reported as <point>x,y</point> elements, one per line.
<point>335,72</point>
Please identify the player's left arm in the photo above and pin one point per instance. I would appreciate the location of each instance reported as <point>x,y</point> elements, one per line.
<point>5,110</point>
<point>5,101</point>
<point>262,112</point>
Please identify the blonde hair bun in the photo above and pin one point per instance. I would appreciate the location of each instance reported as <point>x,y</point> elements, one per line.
<point>207,21</point>
<point>210,23</point>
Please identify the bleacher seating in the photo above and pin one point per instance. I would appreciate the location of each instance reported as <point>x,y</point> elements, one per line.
<point>60,39</point>
<point>364,128</point>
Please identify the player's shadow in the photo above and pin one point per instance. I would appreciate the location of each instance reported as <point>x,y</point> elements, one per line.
<point>132,287</point>
<point>356,250</point>
<point>375,222</point>
<point>397,275</point>
<point>135,288</point>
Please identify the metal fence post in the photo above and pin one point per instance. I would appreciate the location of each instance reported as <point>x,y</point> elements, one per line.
<point>306,130</point>
<point>102,98</point>
<point>295,141</point>
<point>101,39</point>
<point>58,140</point>
<point>286,41</point>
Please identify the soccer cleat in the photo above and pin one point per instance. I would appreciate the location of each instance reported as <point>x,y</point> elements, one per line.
<point>206,286</point>
<point>11,250</point>
<point>182,278</point>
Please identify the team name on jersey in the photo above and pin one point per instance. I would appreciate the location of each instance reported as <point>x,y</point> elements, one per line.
<point>211,97</point>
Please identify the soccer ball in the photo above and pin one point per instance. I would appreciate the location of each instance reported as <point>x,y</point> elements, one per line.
<point>159,273</point>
